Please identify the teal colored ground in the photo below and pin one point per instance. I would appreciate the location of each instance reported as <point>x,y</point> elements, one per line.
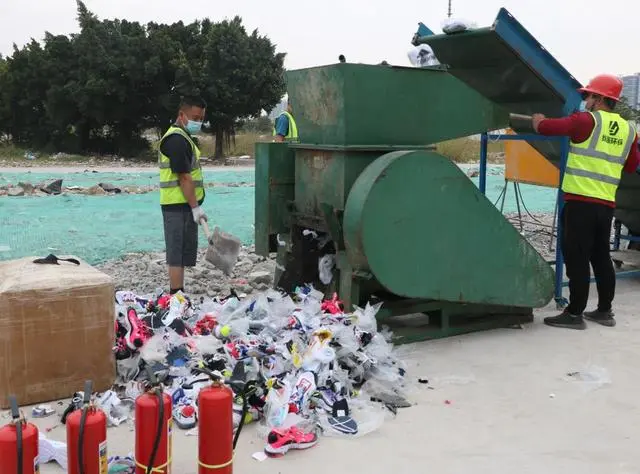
<point>143,178</point>
<point>100,228</point>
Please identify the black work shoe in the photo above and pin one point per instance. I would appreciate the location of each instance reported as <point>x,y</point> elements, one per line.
<point>606,318</point>
<point>566,320</point>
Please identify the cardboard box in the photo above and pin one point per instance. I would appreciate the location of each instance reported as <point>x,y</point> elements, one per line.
<point>56,330</point>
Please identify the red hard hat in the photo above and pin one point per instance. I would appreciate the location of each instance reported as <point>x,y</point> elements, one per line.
<point>606,85</point>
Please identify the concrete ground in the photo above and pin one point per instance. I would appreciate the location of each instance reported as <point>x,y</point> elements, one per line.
<point>512,409</point>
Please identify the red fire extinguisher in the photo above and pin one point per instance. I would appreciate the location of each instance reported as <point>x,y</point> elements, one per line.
<point>18,444</point>
<point>87,438</point>
<point>153,429</point>
<point>216,443</point>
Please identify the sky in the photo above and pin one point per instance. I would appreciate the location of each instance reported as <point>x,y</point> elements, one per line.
<point>585,36</point>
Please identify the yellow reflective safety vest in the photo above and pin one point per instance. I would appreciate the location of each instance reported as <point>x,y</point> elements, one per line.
<point>594,167</point>
<point>292,133</point>
<point>170,191</point>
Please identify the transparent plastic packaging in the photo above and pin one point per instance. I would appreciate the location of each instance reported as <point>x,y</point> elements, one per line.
<point>422,56</point>
<point>457,25</point>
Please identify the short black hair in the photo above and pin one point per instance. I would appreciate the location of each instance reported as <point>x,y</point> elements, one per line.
<point>611,103</point>
<point>192,101</point>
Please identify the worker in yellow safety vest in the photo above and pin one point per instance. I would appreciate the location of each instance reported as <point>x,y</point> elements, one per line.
<point>285,128</point>
<point>602,146</point>
<point>182,189</point>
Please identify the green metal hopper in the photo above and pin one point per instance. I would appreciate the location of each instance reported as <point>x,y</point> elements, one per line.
<point>406,226</point>
<point>507,65</point>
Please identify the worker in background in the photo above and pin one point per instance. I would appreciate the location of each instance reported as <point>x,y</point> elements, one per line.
<point>602,146</point>
<point>182,189</point>
<point>285,128</point>
<point>342,59</point>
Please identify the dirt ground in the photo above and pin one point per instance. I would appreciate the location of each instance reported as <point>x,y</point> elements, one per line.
<point>501,403</point>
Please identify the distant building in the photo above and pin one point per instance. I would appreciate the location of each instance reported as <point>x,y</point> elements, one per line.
<point>631,89</point>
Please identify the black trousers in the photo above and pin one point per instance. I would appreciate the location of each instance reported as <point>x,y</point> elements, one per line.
<point>585,240</point>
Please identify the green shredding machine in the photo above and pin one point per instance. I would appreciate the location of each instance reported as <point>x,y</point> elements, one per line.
<point>365,188</point>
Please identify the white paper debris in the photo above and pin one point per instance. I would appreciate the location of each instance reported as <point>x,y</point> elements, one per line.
<point>49,450</point>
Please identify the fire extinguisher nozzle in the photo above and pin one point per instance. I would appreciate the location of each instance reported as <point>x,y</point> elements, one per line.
<point>15,409</point>
<point>88,389</point>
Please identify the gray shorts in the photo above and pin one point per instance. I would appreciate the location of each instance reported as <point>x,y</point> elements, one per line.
<point>181,238</point>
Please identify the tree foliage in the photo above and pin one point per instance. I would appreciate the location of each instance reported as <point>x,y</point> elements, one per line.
<point>626,111</point>
<point>100,89</point>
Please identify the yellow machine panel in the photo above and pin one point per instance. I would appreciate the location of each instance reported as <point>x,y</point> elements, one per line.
<point>523,164</point>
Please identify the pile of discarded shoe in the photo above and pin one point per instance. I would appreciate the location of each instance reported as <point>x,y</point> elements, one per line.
<point>313,368</point>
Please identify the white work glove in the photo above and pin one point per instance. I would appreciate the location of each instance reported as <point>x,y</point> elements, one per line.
<point>199,215</point>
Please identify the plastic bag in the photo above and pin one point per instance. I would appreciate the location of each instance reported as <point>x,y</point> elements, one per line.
<point>590,378</point>
<point>128,369</point>
<point>155,349</point>
<point>325,268</point>
<point>116,411</point>
<point>365,319</point>
<point>205,345</point>
<point>277,404</point>
<point>624,244</point>
<point>223,251</point>
<point>50,450</point>
<point>457,25</point>
<point>422,56</point>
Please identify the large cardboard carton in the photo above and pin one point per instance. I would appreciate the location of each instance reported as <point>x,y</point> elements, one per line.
<point>56,330</point>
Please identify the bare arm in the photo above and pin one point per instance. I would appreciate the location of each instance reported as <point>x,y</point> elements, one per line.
<point>279,138</point>
<point>188,189</point>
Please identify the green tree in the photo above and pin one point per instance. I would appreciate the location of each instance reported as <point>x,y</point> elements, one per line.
<point>240,75</point>
<point>626,111</point>
<point>100,89</point>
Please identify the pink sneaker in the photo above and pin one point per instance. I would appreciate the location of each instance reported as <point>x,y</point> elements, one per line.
<point>137,333</point>
<point>280,441</point>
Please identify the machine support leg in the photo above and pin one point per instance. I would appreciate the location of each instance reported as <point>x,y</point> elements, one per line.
<point>617,225</point>
<point>515,190</point>
<point>483,163</point>
<point>561,302</point>
<point>349,287</point>
<point>504,196</point>
<point>553,226</point>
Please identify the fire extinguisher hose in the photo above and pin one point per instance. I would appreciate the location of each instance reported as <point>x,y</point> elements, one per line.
<point>156,442</point>
<point>248,388</point>
<point>15,414</point>
<point>83,422</point>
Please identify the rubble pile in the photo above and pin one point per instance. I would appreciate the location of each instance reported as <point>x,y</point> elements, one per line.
<point>313,368</point>
<point>143,273</point>
<point>54,188</point>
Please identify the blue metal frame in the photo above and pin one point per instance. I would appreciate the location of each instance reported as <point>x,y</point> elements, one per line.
<point>558,264</point>
<point>538,58</point>
<point>423,30</point>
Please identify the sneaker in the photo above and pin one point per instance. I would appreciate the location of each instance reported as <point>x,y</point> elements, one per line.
<point>340,419</point>
<point>339,416</point>
<point>324,398</point>
<point>280,441</point>
<point>136,331</point>
<point>566,320</point>
<point>606,318</point>
<point>184,414</point>
<point>252,415</point>
<point>121,350</point>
